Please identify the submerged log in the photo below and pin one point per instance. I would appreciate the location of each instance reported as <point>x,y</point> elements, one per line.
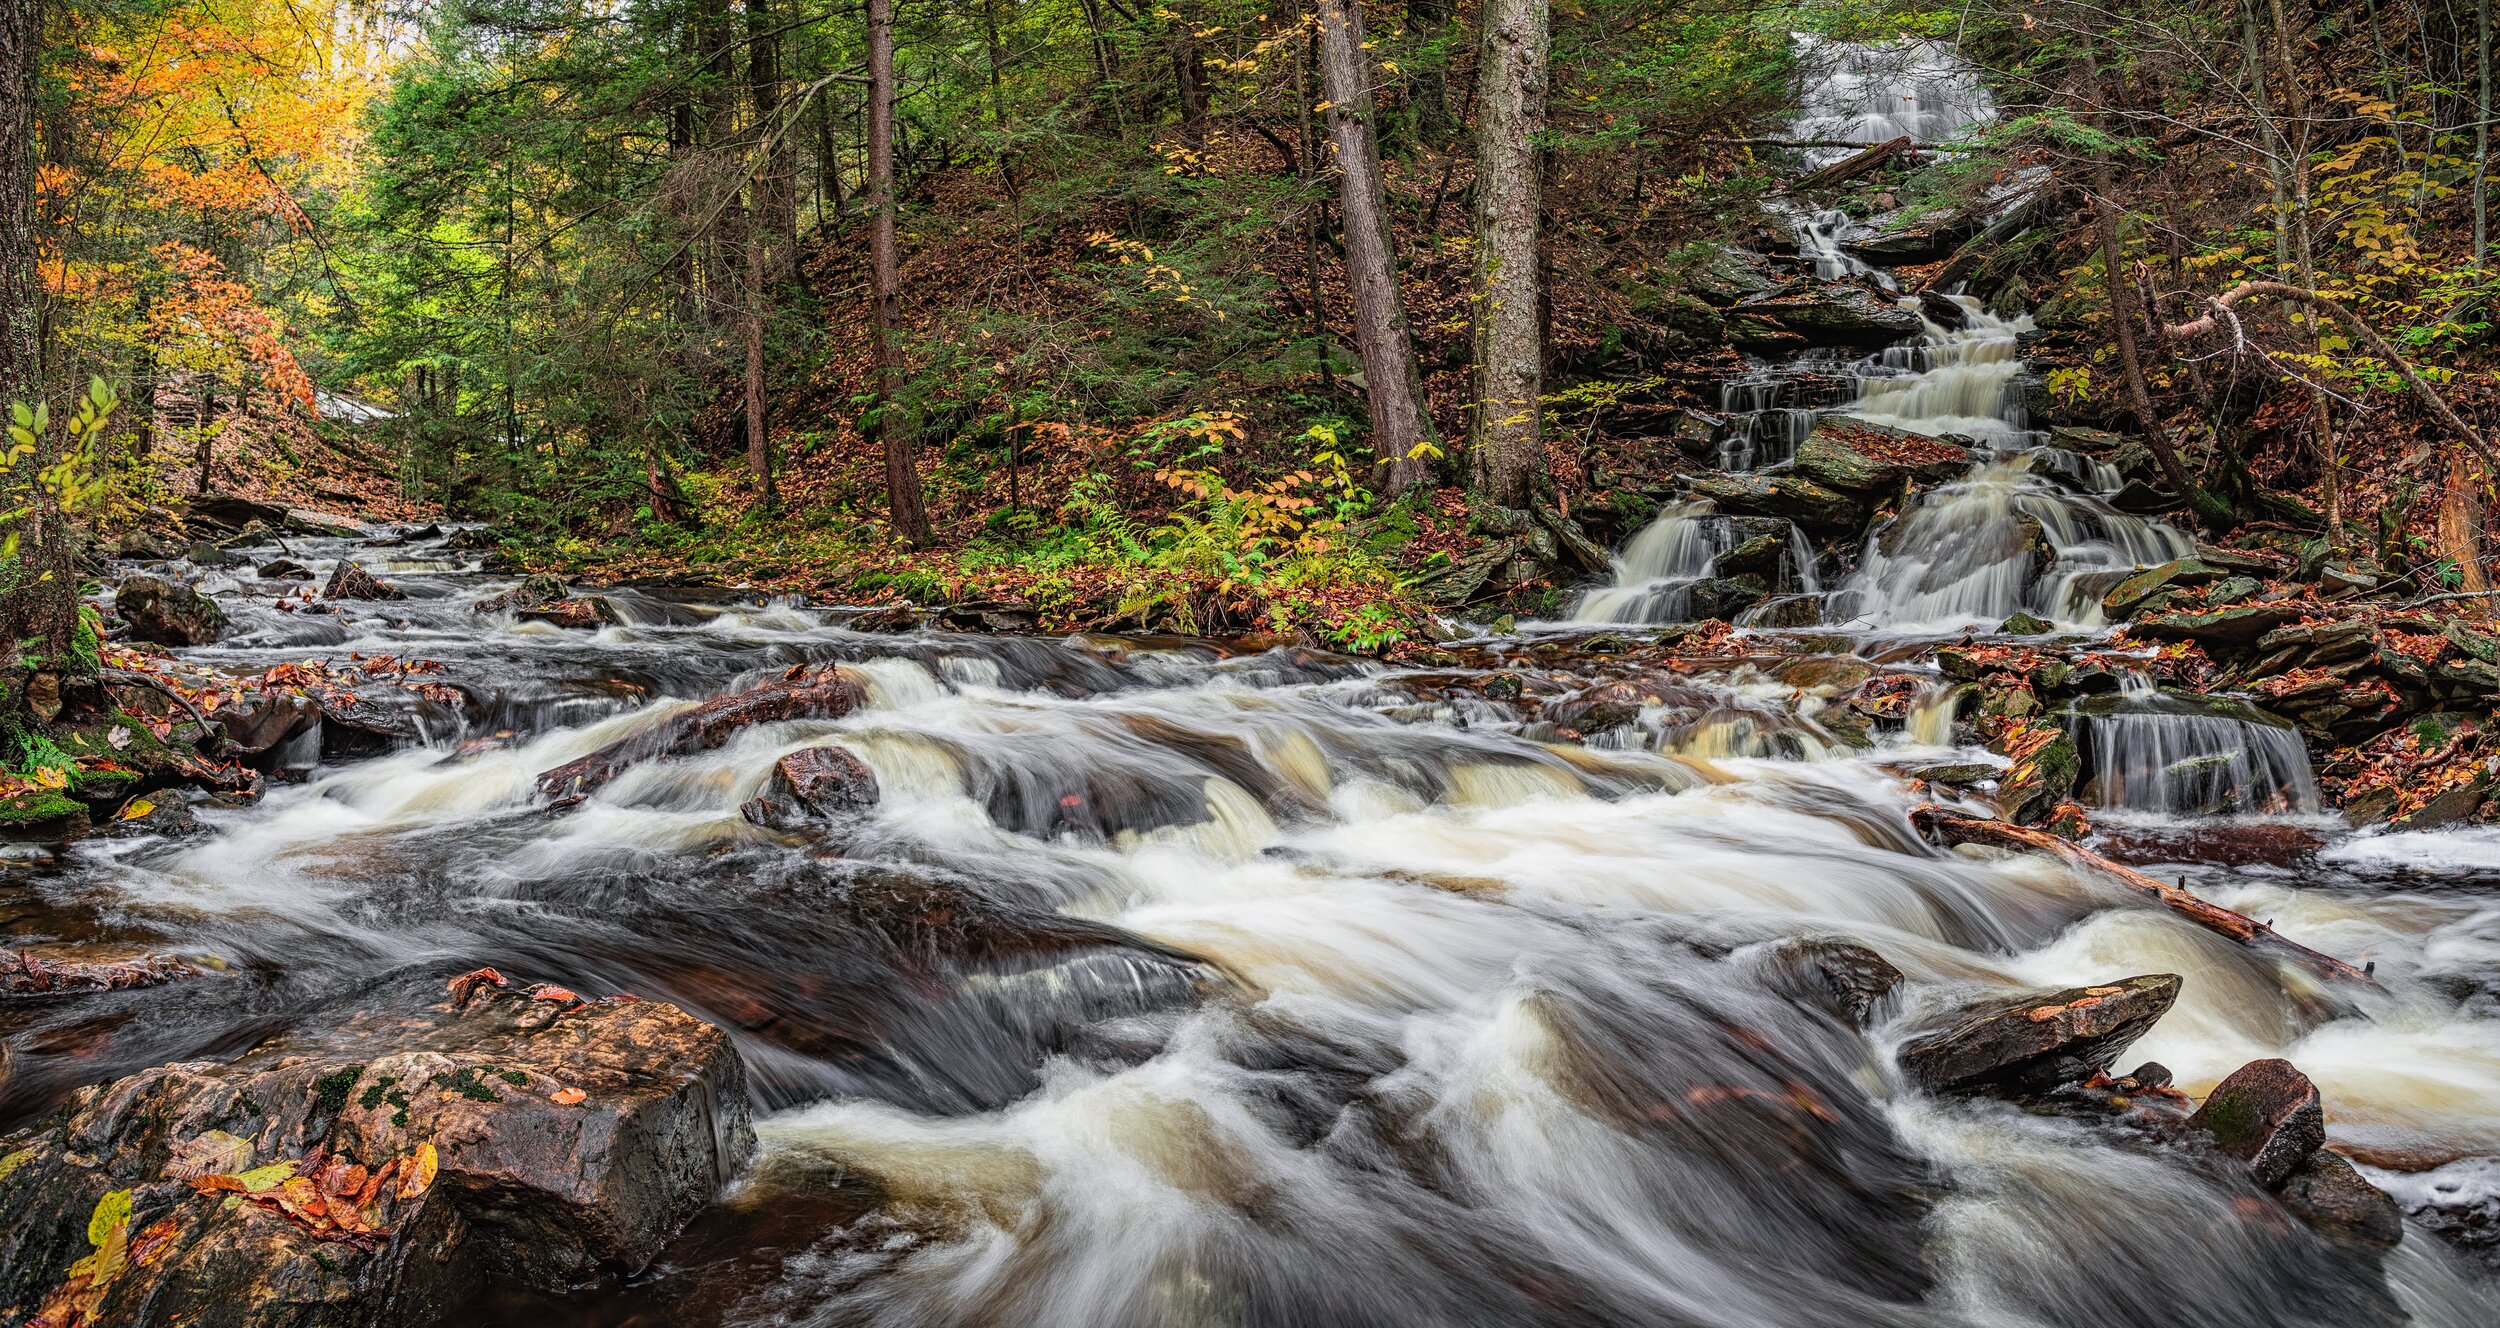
<point>799,694</point>
<point>1957,829</point>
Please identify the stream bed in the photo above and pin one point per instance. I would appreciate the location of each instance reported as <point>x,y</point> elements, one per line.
<point>1170,982</point>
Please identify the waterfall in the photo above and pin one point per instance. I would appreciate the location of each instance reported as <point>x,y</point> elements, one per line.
<point>1859,92</point>
<point>2153,751</point>
<point>1655,573</point>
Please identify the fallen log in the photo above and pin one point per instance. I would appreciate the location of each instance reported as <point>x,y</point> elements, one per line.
<point>1851,167</point>
<point>1957,829</point>
<point>825,693</point>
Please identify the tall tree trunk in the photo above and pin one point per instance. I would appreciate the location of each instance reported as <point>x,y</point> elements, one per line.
<point>38,596</point>
<point>208,423</point>
<point>2460,532</point>
<point>1504,438</point>
<point>902,477</point>
<point>1393,385</point>
<point>2123,320</point>
<point>768,232</point>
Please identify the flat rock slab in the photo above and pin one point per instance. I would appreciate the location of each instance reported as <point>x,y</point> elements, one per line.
<point>2034,1043</point>
<point>824,693</point>
<point>377,1170</point>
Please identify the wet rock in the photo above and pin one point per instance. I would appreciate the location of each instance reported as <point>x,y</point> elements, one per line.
<point>380,1169</point>
<point>1844,979</point>
<point>2239,625</point>
<point>2046,765</point>
<point>255,722</point>
<point>1726,276</point>
<point>826,693</point>
<point>2223,843</point>
<point>2123,598</point>
<point>1837,314</point>
<point>2449,808</point>
<point>2266,1114</point>
<point>44,816</point>
<point>1761,555</point>
<point>1789,497</point>
<point>586,613</point>
<point>305,521</point>
<point>225,511</point>
<point>536,590</point>
<point>2457,1201</point>
<point>142,545</point>
<point>1823,672</point>
<point>284,569</point>
<point>2033,1043</point>
<point>1787,611</point>
<point>817,783</point>
<point>991,616</point>
<point>1956,774</point>
<point>1856,457</point>
<point>86,968</point>
<point>167,612</point>
<point>1726,597</point>
<point>163,817</point>
<point>2025,624</point>
<point>350,581</point>
<point>2339,1204</point>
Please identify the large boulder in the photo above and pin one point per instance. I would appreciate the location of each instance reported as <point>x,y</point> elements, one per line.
<point>1790,497</point>
<point>2039,1041</point>
<point>1833,314</point>
<point>2123,598</point>
<point>379,1170</point>
<point>168,612</point>
<point>1856,457</point>
<point>2235,626</point>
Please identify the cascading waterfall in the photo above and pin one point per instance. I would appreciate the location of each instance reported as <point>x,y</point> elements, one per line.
<point>1656,572</point>
<point>1857,92</point>
<point>2151,751</point>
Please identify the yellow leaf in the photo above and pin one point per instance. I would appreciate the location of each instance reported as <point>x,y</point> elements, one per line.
<point>420,1174</point>
<point>136,808</point>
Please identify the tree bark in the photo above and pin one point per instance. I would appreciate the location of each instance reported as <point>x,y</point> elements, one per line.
<point>1505,439</point>
<point>902,478</point>
<point>773,215</point>
<point>2460,533</point>
<point>38,595</point>
<point>1393,385</point>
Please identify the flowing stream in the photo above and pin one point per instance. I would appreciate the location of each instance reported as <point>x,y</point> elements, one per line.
<point>1169,986</point>
<point>1173,985</point>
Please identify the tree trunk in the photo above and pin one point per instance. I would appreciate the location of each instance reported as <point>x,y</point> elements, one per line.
<point>998,99</point>
<point>1393,385</point>
<point>1504,438</point>
<point>771,224</point>
<point>2122,322</point>
<point>38,595</point>
<point>2460,533</point>
<point>902,477</point>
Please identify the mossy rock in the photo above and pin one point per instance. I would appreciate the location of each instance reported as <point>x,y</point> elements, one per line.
<point>2033,786</point>
<point>44,815</point>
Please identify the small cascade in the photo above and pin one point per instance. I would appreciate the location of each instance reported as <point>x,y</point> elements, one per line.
<point>2153,751</point>
<point>2012,536</point>
<point>1656,572</point>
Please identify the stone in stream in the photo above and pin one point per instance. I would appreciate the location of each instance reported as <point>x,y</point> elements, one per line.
<point>167,612</point>
<point>2267,1115</point>
<point>1791,497</point>
<point>825,693</point>
<point>2123,598</point>
<point>2238,625</point>
<point>350,581</point>
<point>378,1169</point>
<point>534,591</point>
<point>1834,314</point>
<point>2339,1204</point>
<point>813,784</point>
<point>1852,456</point>
<point>1842,978</point>
<point>256,722</point>
<point>284,569</point>
<point>85,968</point>
<point>2034,1043</point>
<point>585,613</point>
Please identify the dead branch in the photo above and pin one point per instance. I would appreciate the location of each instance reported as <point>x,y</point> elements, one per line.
<point>1956,829</point>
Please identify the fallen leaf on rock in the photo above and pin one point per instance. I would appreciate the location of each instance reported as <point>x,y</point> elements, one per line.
<point>553,994</point>
<point>211,1154</point>
<point>419,1174</point>
<point>565,1097</point>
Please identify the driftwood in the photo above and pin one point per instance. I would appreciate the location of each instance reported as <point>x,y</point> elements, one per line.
<point>1850,168</point>
<point>1957,829</point>
<point>799,694</point>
